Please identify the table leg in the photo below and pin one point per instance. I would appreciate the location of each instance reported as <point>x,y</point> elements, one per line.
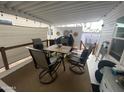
<point>63,65</point>
<point>63,61</point>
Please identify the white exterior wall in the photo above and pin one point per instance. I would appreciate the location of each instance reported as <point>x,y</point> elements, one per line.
<point>109,24</point>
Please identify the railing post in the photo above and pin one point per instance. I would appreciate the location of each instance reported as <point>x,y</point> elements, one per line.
<point>47,42</point>
<point>4,57</point>
<point>80,45</point>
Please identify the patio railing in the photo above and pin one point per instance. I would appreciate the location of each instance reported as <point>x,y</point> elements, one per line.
<point>4,49</point>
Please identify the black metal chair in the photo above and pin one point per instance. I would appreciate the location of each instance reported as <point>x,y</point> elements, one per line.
<point>78,61</point>
<point>48,65</point>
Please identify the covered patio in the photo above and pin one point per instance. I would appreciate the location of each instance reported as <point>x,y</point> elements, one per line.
<point>17,70</point>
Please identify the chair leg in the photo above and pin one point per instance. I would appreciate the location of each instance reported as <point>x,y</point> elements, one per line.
<point>82,70</point>
<point>77,69</point>
<point>72,66</point>
<point>62,60</point>
<point>52,74</point>
<point>47,77</point>
<point>57,67</point>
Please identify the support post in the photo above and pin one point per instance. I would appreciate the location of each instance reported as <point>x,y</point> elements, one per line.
<point>4,57</point>
<point>47,42</point>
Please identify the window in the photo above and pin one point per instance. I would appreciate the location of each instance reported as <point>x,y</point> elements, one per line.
<point>117,45</point>
<point>120,30</point>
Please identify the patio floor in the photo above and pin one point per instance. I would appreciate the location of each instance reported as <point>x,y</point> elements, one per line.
<point>26,79</point>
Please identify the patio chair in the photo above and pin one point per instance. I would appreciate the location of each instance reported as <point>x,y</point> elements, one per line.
<point>52,42</point>
<point>48,65</point>
<point>78,61</point>
<point>37,43</point>
<point>62,40</point>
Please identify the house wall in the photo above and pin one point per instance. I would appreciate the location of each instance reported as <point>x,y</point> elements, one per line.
<point>110,22</point>
<point>15,35</point>
<point>110,19</point>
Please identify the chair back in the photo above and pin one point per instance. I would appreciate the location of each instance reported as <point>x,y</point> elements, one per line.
<point>90,50</point>
<point>52,42</point>
<point>84,56</point>
<point>62,40</point>
<point>58,40</point>
<point>70,40</point>
<point>39,58</point>
<point>37,43</point>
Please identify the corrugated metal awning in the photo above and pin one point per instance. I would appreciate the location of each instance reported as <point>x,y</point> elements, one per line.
<point>59,12</point>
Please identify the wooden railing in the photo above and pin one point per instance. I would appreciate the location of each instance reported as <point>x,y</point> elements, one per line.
<point>4,49</point>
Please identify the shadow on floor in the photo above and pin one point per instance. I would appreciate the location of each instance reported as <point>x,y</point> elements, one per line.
<point>95,88</point>
<point>1,90</point>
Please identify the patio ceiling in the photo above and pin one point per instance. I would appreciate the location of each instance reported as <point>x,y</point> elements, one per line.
<point>59,12</point>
